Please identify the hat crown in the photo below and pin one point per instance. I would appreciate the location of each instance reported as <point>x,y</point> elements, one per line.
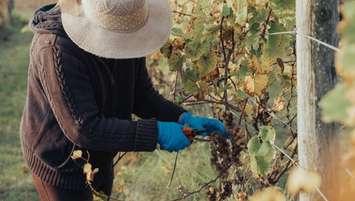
<point>118,7</point>
<point>117,15</point>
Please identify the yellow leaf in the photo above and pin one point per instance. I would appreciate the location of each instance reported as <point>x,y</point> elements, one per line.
<point>76,154</point>
<point>87,168</point>
<point>89,173</point>
<point>268,194</point>
<point>261,65</point>
<point>249,85</point>
<point>90,177</point>
<point>156,56</point>
<point>279,104</point>
<point>260,83</point>
<point>301,180</point>
<point>261,2</point>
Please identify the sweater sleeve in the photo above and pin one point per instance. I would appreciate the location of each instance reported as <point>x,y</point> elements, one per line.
<point>149,103</point>
<point>71,97</point>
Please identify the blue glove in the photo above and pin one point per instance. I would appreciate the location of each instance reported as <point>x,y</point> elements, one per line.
<point>203,125</point>
<point>171,136</point>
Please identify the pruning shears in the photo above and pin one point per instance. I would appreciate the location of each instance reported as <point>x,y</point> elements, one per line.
<point>191,133</point>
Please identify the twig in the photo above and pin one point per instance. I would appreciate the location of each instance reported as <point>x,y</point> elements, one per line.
<point>174,169</point>
<point>119,158</point>
<point>226,58</point>
<point>211,102</point>
<point>242,113</point>
<point>199,189</point>
<point>182,13</point>
<point>263,32</point>
<point>225,92</point>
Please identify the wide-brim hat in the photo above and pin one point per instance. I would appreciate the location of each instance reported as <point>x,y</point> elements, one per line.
<point>117,28</point>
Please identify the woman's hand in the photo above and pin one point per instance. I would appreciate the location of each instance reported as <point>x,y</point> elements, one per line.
<point>171,136</point>
<point>203,125</point>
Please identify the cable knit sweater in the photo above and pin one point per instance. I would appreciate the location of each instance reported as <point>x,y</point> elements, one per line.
<point>76,100</point>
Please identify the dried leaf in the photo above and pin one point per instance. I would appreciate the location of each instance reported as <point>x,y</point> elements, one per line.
<point>87,168</point>
<point>89,172</point>
<point>77,154</point>
<point>279,104</point>
<point>90,177</point>
<point>268,194</point>
<point>260,83</point>
<point>249,86</point>
<point>301,180</point>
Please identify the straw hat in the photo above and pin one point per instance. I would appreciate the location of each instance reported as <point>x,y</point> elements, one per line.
<point>117,28</point>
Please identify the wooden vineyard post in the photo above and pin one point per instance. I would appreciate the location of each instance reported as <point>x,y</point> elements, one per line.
<point>317,141</point>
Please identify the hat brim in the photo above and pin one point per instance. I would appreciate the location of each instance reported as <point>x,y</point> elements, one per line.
<point>105,43</point>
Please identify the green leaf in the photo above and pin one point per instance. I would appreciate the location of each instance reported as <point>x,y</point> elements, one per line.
<point>261,157</point>
<point>345,59</point>
<point>275,45</point>
<point>264,158</point>
<point>284,4</point>
<point>243,71</point>
<point>176,61</point>
<point>335,105</point>
<point>189,79</point>
<point>226,10</point>
<point>267,134</point>
<point>166,50</point>
<point>349,13</point>
<point>261,151</point>
<point>193,47</point>
<point>175,31</point>
<point>275,87</point>
<point>206,63</point>
<point>254,145</point>
<point>241,8</point>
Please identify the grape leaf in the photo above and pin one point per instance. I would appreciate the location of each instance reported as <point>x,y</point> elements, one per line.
<point>226,10</point>
<point>261,151</point>
<point>206,63</point>
<point>176,60</point>
<point>267,134</point>
<point>241,8</point>
<point>254,145</point>
<point>175,31</point>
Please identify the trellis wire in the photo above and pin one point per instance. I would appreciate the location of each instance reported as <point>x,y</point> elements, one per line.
<point>295,32</point>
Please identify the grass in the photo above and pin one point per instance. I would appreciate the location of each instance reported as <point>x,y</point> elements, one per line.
<point>15,180</point>
<point>149,176</point>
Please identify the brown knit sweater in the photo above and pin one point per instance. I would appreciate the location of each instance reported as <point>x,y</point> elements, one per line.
<point>76,100</point>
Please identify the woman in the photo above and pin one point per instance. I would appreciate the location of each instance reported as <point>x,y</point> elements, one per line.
<point>87,75</point>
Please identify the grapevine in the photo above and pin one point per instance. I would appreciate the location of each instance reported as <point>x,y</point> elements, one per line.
<point>224,54</point>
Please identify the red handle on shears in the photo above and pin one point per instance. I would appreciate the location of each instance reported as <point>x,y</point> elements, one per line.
<point>190,133</point>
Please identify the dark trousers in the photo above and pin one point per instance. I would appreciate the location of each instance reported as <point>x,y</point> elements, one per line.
<point>51,193</point>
